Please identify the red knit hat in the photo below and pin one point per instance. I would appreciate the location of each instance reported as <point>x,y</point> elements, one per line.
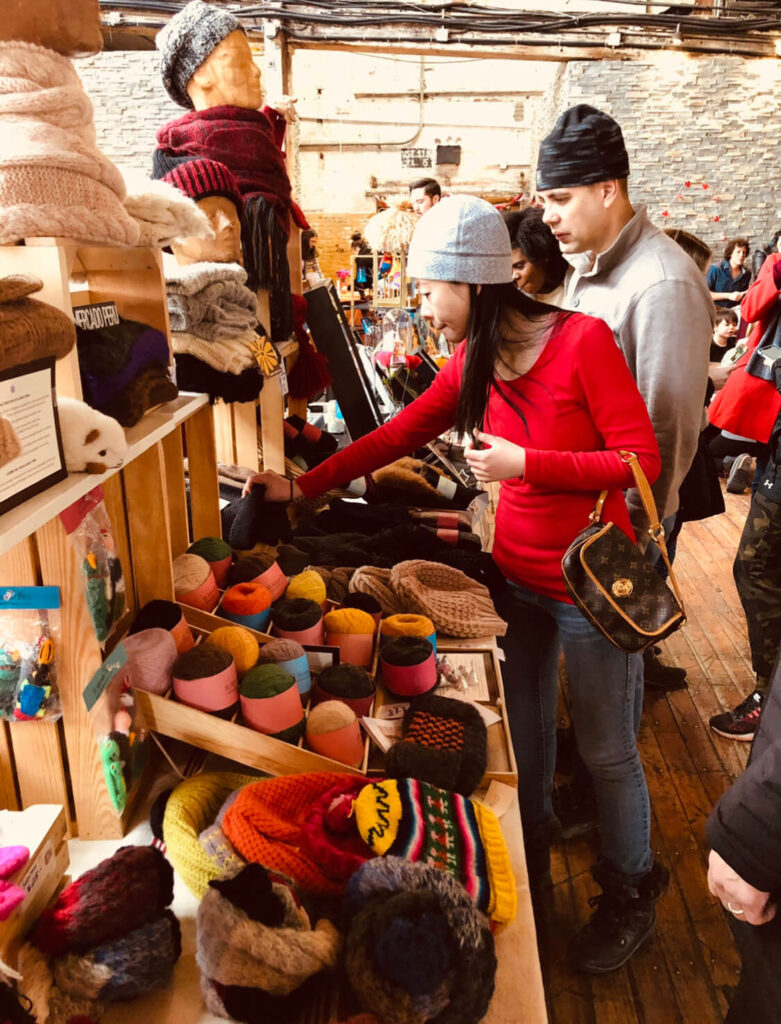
<point>201,178</point>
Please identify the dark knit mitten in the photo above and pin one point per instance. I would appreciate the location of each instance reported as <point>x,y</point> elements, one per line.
<point>120,894</point>
<point>251,891</point>
<point>258,520</point>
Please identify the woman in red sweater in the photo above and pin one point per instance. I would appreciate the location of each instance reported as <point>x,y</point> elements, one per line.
<point>551,402</point>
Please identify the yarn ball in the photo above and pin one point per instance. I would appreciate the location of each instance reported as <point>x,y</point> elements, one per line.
<point>266,681</point>
<point>348,681</point>
<point>407,625</point>
<point>308,585</point>
<point>190,572</point>
<point>349,620</point>
<point>328,717</point>
<point>213,549</point>
<point>365,602</point>
<point>162,614</point>
<point>406,650</point>
<point>248,568</point>
<point>296,614</point>
<point>246,599</point>
<point>151,654</point>
<point>280,650</point>
<point>201,662</point>
<point>239,643</point>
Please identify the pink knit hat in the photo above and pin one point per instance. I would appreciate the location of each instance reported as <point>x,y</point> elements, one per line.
<point>53,178</point>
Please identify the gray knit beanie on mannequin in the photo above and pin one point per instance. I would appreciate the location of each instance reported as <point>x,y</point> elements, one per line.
<point>186,42</point>
<point>461,238</point>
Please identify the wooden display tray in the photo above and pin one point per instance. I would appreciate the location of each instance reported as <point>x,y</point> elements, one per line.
<point>169,717</point>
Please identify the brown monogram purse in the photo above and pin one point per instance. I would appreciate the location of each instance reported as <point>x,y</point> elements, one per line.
<point>613,583</point>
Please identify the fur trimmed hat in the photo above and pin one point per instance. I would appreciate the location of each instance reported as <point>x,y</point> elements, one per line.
<point>53,178</point>
<point>444,742</point>
<point>186,42</point>
<point>417,949</point>
<point>417,821</point>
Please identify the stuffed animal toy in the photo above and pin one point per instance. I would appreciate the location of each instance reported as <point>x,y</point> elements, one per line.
<point>92,441</point>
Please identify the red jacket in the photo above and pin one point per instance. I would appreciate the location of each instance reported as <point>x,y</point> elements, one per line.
<point>581,407</point>
<point>747,405</point>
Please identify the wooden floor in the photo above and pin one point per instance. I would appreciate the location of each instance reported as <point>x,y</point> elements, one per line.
<point>685,972</point>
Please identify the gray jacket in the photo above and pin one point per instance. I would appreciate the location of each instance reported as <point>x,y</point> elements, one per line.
<point>656,301</point>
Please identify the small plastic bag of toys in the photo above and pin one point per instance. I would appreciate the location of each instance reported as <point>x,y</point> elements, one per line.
<point>29,636</point>
<point>119,726</point>
<point>89,527</point>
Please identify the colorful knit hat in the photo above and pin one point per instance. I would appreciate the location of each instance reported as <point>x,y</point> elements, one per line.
<point>191,810</point>
<point>133,965</point>
<point>265,823</point>
<point>201,178</point>
<point>274,948</point>
<point>53,179</point>
<point>122,893</point>
<point>239,643</point>
<point>444,742</point>
<point>30,329</point>
<point>329,833</point>
<point>187,40</point>
<point>415,820</point>
<point>417,949</point>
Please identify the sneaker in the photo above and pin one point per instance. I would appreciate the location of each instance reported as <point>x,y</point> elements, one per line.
<point>740,723</point>
<point>662,677</point>
<point>726,464</point>
<point>741,474</point>
<point>576,810</point>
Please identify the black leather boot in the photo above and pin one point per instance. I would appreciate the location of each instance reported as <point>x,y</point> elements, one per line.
<point>537,844</point>
<point>659,676</point>
<point>623,919</point>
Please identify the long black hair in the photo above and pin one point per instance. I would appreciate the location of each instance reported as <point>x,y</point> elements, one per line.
<point>491,312</point>
<point>537,243</point>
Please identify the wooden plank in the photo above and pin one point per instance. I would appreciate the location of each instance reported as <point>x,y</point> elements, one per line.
<point>202,466</point>
<point>272,412</point>
<point>147,513</point>
<point>245,432</point>
<point>37,754</point>
<point>133,278</point>
<point>176,492</point>
<point>223,430</point>
<point>79,658</point>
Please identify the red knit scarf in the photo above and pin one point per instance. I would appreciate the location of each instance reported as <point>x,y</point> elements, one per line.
<point>244,141</point>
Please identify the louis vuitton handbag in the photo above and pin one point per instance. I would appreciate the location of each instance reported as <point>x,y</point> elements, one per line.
<point>613,583</point>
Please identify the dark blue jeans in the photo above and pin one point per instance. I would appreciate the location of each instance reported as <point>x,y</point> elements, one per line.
<point>606,693</point>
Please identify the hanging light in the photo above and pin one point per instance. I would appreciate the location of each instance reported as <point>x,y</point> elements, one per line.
<point>678,35</point>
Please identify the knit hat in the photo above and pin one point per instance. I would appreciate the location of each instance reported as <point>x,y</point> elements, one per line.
<point>329,834</point>
<point>187,40</point>
<point>455,604</point>
<point>417,949</point>
<point>276,953</point>
<point>122,893</point>
<point>53,179</point>
<point>415,820</point>
<point>30,329</point>
<point>205,678</point>
<point>586,146</point>
<point>113,355</point>
<point>461,239</point>
<point>200,179</point>
<point>444,742</point>
<point>271,703</point>
<point>190,810</point>
<point>151,387</point>
<point>133,965</point>
<point>151,654</point>
<point>239,643</point>
<point>264,825</point>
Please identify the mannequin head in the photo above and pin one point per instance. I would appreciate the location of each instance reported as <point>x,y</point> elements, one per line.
<point>225,247</point>
<point>228,77</point>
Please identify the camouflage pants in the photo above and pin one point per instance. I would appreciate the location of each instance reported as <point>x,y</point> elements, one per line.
<point>757,572</point>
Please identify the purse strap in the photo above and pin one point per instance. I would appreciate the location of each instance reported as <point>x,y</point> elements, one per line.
<point>655,528</point>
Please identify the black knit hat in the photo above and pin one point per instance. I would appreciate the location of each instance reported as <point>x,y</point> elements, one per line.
<point>444,743</point>
<point>586,146</point>
<point>202,178</point>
